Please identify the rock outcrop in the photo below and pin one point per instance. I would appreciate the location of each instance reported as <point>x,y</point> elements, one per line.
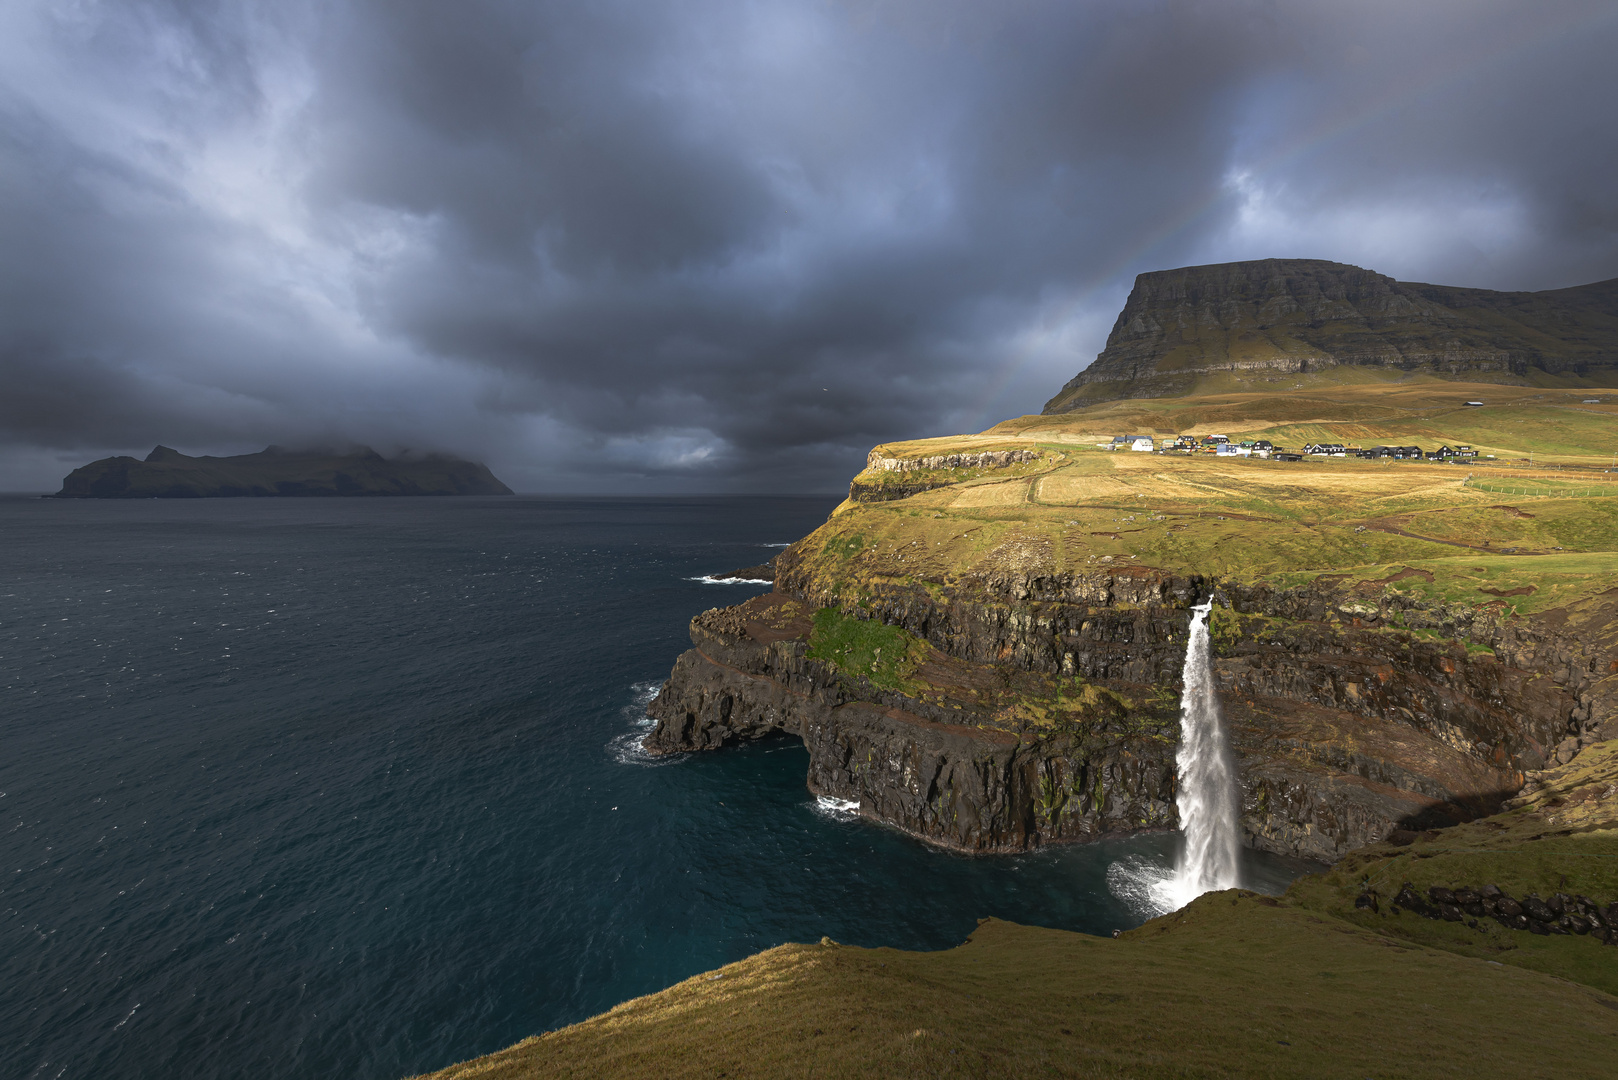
<point>169,474</point>
<point>887,478</point>
<point>988,459</point>
<point>1561,913</point>
<point>1299,315</point>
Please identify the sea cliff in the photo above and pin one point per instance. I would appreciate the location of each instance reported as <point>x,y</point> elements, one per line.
<point>1042,709</point>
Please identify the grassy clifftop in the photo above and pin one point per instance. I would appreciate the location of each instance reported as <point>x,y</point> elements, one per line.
<point>1553,422</point>
<point>1534,528</point>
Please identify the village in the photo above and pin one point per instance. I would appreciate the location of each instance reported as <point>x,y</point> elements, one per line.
<point>1222,446</point>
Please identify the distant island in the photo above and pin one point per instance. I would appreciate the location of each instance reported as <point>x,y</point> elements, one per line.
<point>277,472</point>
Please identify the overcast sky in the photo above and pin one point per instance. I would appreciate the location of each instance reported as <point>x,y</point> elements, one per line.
<point>719,245</point>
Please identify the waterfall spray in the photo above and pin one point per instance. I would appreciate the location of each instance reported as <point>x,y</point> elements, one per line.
<point>1207,798</point>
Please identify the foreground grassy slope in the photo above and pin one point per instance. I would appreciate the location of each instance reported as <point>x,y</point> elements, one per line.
<point>1233,985</point>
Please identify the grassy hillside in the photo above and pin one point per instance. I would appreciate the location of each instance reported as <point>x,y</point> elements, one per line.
<point>1561,837</point>
<point>1551,421</point>
<point>1533,536</point>
<point>1234,985</point>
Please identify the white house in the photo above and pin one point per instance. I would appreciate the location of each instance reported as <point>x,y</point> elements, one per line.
<point>1142,443</point>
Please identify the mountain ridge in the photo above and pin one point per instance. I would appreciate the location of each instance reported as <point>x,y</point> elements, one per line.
<point>1292,316</point>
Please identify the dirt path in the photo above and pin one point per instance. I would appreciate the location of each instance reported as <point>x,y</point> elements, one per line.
<point>1436,540</point>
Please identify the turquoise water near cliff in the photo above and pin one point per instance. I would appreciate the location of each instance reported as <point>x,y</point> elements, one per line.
<point>308,788</point>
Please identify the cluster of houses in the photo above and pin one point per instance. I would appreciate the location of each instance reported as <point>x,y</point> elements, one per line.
<point>1221,446</point>
<point>1416,453</point>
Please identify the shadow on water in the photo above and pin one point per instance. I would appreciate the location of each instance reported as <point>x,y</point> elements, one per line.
<point>823,871</point>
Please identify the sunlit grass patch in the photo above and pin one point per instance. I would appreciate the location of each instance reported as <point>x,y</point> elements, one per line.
<point>885,655</point>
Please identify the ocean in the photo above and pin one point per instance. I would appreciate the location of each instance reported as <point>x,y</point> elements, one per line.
<point>321,787</point>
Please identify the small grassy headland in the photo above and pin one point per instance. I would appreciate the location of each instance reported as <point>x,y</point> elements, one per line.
<point>1236,984</point>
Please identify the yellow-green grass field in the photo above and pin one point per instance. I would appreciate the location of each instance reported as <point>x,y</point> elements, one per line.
<point>1365,407</point>
<point>1542,541</point>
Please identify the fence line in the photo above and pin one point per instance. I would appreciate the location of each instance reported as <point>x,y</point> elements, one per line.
<point>1494,487</point>
<point>1544,472</point>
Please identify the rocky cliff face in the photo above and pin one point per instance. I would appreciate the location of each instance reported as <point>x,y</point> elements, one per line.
<point>1356,712</point>
<point>886,478</point>
<point>929,767</point>
<point>169,474</point>
<point>1297,315</point>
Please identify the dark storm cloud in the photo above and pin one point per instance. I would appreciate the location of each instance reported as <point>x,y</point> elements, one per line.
<point>648,246</point>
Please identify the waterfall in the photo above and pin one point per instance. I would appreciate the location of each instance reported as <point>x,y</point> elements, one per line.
<point>1208,796</point>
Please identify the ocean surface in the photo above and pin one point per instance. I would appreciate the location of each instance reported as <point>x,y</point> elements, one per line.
<point>314,788</point>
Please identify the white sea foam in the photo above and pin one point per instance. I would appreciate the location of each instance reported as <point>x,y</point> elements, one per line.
<point>706,580</point>
<point>837,809</point>
<point>1144,886</point>
<point>787,544</point>
<point>635,711</point>
<point>630,747</point>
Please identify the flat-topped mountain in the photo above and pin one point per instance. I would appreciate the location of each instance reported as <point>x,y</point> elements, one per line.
<point>169,474</point>
<point>1298,315</point>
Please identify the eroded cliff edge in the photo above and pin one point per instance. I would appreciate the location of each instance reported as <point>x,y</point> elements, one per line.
<point>1028,709</point>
